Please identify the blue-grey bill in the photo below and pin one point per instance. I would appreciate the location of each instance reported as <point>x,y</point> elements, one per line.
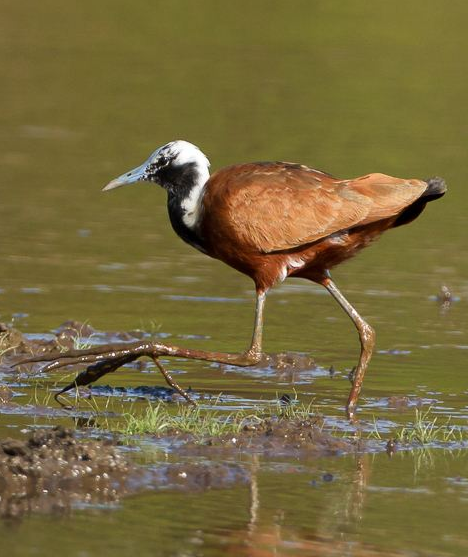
<point>128,178</point>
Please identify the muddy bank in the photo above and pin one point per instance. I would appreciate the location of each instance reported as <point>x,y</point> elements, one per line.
<point>69,335</point>
<point>77,335</point>
<point>51,471</point>
<point>274,437</point>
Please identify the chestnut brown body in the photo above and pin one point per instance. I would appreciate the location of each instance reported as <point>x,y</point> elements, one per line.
<point>273,220</point>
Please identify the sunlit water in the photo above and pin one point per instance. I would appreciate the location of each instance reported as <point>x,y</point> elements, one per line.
<point>90,90</point>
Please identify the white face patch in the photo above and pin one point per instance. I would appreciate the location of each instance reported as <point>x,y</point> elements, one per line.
<point>180,153</point>
<point>186,153</point>
<point>192,205</point>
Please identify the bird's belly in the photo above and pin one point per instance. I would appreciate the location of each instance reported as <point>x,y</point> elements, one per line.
<point>308,261</point>
<point>333,250</point>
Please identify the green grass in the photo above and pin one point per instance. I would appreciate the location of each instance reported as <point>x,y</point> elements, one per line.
<point>425,430</point>
<point>5,344</point>
<point>158,420</point>
<point>80,341</point>
<point>161,419</point>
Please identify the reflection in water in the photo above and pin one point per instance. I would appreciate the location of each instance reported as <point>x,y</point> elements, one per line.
<point>334,522</point>
<point>332,535</point>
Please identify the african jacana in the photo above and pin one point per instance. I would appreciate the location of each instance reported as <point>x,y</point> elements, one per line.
<point>272,220</point>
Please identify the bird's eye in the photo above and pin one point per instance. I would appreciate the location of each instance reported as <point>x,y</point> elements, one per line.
<point>163,161</point>
<point>152,168</point>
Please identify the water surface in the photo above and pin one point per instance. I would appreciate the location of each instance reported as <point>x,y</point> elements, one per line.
<point>89,90</point>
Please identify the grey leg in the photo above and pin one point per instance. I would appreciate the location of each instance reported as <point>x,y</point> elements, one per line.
<point>367,338</point>
<point>255,350</point>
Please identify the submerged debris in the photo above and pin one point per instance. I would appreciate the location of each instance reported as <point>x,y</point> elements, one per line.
<point>197,476</point>
<point>445,295</point>
<point>6,394</point>
<point>403,402</point>
<point>12,342</point>
<point>289,361</point>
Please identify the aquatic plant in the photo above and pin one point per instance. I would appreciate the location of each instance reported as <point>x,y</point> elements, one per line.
<point>6,343</point>
<point>207,422</point>
<point>159,419</point>
<point>80,340</point>
<point>425,429</point>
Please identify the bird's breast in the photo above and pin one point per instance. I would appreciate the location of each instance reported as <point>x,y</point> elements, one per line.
<point>179,218</point>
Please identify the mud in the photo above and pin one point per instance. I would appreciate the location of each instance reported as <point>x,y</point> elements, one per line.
<point>199,476</point>
<point>273,437</point>
<point>13,343</point>
<point>52,471</point>
<point>403,402</point>
<point>6,394</point>
<point>69,335</point>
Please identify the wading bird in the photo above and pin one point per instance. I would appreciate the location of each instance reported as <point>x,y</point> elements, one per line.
<point>273,220</point>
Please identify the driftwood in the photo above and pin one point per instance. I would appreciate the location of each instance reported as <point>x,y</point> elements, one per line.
<point>108,358</point>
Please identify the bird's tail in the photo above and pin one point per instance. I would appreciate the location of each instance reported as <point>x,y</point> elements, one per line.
<point>436,187</point>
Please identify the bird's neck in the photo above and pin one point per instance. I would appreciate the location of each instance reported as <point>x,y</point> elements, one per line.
<point>185,190</point>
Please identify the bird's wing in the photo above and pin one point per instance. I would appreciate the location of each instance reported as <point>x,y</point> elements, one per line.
<point>278,206</point>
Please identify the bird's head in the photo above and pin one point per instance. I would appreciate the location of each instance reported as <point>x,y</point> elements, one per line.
<point>177,166</point>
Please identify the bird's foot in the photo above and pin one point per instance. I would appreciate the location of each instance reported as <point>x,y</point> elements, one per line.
<point>249,357</point>
<point>102,360</point>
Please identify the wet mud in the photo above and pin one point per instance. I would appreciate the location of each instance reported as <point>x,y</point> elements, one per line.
<point>275,437</point>
<point>52,471</point>
<point>13,343</point>
<point>199,476</point>
<point>69,335</point>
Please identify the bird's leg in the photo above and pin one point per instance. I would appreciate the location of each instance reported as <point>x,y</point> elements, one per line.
<point>367,338</point>
<point>93,373</point>
<point>172,383</point>
<point>254,353</point>
<point>108,358</point>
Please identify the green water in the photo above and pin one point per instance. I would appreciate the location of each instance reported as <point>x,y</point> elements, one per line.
<point>89,89</point>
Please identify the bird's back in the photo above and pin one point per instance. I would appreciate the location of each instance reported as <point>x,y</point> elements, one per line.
<point>271,207</point>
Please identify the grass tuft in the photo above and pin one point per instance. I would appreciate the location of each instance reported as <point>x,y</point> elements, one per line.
<point>5,344</point>
<point>158,419</point>
<point>161,419</point>
<point>80,340</point>
<point>425,430</point>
